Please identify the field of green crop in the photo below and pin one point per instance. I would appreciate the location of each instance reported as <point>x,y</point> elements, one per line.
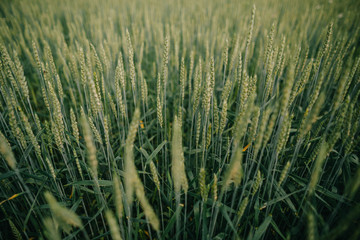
<point>169,119</point>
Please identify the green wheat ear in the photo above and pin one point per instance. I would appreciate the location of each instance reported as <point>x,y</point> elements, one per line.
<point>63,216</point>
<point>118,197</point>
<point>6,152</point>
<point>133,184</point>
<point>177,155</point>
<point>155,174</point>
<point>90,145</point>
<point>114,229</point>
<point>202,184</point>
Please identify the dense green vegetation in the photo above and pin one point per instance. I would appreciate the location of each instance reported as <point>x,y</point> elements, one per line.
<point>179,119</point>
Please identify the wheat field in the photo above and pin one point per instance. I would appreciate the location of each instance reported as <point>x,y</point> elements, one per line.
<point>179,119</point>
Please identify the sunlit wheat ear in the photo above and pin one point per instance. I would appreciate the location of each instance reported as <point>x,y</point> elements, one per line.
<point>132,180</point>
<point>52,170</point>
<point>57,136</point>
<point>249,38</point>
<point>177,159</point>
<point>339,94</point>
<point>244,91</point>
<point>36,55</point>
<point>209,87</point>
<point>95,131</point>
<point>286,91</point>
<point>130,169</point>
<point>234,172</point>
<point>102,83</point>
<point>120,72</point>
<point>284,133</point>
<point>216,119</point>
<point>239,72</point>
<point>83,67</point>
<point>30,133</point>
<point>114,228</point>
<point>159,103</point>
<point>316,172</point>
<point>223,118</point>
<point>280,61</point>
<point>14,126</point>
<point>45,98</point>
<point>165,59</point>
<point>197,86</point>
<point>182,79</point>
<point>315,94</point>
<point>95,101</point>
<point>51,229</point>
<point>300,84</point>
<point>270,127</point>
<point>48,136</point>
<point>118,95</point>
<point>9,67</point>
<point>106,130</point>
<point>310,118</point>
<point>154,174</point>
<point>6,152</point>
<point>90,146</point>
<point>37,122</point>
<point>118,197</point>
<point>234,53</point>
<point>326,44</point>
<point>96,57</point>
<point>198,129</point>
<point>225,54</point>
<point>284,172</point>
<point>112,105</point>
<point>191,69</point>
<point>104,56</point>
<point>252,85</point>
<point>269,45</point>
<point>74,126</point>
<point>131,60</point>
<point>20,76</point>
<point>78,163</point>
<point>56,107</point>
<point>227,90</point>
<point>64,217</point>
<point>241,121</point>
<point>16,131</point>
<point>254,124</point>
<point>208,136</point>
<point>214,188</point>
<point>148,210</point>
<point>349,146</point>
<point>269,75</point>
<point>144,90</point>
<point>53,70</point>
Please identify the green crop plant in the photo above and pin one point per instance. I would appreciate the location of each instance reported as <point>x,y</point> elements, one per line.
<point>179,119</point>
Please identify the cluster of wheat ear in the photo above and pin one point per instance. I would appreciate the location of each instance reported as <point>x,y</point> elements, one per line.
<point>179,119</point>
